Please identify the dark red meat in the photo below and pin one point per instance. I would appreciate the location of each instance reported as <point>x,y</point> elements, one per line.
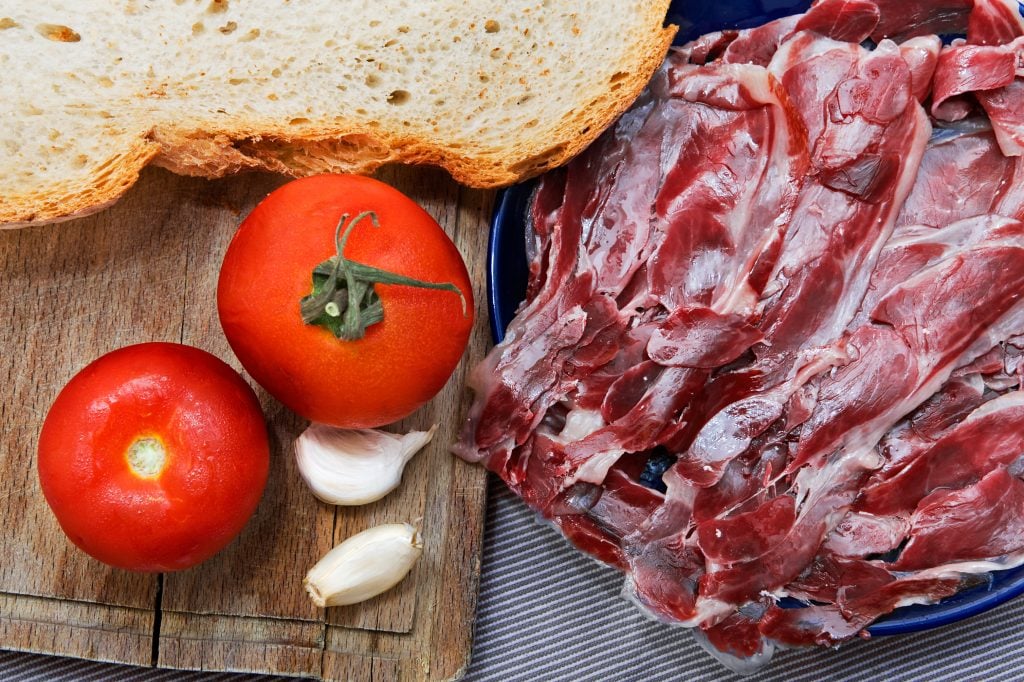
<point>922,57</point>
<point>964,68</point>
<point>831,624</point>
<point>773,337</point>
<point>847,20</point>
<point>964,174</point>
<point>749,535</point>
<point>995,22</point>
<point>990,66</point>
<point>993,435</point>
<point>982,521</point>
<point>868,135</point>
<point>834,237</point>
<point>901,19</point>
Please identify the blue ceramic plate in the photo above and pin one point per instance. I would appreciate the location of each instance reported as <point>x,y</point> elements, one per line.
<point>506,287</point>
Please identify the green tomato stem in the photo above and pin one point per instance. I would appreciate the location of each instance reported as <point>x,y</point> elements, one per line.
<point>344,300</point>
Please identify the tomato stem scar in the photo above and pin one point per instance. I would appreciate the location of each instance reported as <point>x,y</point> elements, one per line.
<point>343,299</point>
<point>147,457</point>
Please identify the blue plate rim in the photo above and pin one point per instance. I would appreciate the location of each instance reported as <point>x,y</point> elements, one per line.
<point>498,217</point>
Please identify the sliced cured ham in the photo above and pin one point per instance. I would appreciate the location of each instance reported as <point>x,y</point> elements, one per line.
<point>773,336</point>
<point>899,19</point>
<point>964,174</point>
<point>834,238</point>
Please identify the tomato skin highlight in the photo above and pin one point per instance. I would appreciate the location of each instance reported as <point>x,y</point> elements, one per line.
<point>217,456</point>
<point>403,361</point>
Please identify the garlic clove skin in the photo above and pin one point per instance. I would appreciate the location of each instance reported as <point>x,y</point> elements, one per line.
<point>365,565</point>
<point>355,466</point>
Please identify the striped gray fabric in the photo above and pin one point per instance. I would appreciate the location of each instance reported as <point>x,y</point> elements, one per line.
<point>551,614</point>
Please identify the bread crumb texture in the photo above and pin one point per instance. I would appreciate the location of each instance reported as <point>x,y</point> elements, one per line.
<point>492,91</point>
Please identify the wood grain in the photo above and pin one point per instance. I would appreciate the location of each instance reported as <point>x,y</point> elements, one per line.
<point>437,645</point>
<point>270,645</point>
<point>84,630</point>
<point>71,293</point>
<point>260,573</point>
<point>145,270</point>
<point>394,611</point>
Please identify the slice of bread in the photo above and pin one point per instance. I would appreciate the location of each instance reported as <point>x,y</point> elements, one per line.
<point>493,91</point>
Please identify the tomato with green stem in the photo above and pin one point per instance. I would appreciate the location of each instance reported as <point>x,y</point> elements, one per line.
<point>345,300</point>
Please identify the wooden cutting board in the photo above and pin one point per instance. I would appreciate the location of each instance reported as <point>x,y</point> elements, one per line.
<point>146,270</point>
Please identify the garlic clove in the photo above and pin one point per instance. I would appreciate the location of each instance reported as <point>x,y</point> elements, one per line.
<point>364,565</point>
<point>355,466</point>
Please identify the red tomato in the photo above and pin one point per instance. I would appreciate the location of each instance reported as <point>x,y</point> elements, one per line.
<point>403,360</point>
<point>154,456</point>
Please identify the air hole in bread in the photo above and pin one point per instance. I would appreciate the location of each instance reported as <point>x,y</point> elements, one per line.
<point>298,121</point>
<point>484,78</point>
<point>491,26</point>
<point>253,34</point>
<point>372,80</point>
<point>391,43</point>
<point>618,76</point>
<point>403,29</point>
<point>496,52</point>
<point>58,33</point>
<point>7,22</point>
<point>276,73</point>
<point>524,99</point>
<point>217,7</point>
<point>198,28</point>
<point>399,97</point>
<point>228,28</point>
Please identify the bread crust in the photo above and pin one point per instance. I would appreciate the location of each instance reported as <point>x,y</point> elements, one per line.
<point>339,148</point>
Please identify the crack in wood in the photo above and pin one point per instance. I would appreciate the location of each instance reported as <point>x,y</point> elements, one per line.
<point>157,617</point>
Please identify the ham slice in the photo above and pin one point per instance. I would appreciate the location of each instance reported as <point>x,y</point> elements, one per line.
<point>773,335</point>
